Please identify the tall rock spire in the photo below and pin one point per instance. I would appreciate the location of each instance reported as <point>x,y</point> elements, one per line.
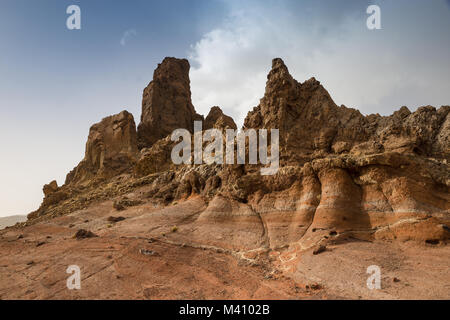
<point>166,103</point>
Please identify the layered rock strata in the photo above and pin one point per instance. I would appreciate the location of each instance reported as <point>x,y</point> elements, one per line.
<point>342,174</point>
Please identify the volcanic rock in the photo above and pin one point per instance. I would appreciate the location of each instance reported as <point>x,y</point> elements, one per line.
<point>319,249</point>
<point>312,125</point>
<point>342,174</point>
<point>111,149</point>
<point>50,188</point>
<point>84,234</point>
<point>166,103</point>
<point>218,120</point>
<point>115,219</point>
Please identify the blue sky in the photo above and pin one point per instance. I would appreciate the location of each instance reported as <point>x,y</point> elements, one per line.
<point>55,83</point>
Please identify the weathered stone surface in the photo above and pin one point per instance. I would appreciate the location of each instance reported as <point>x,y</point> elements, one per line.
<point>156,158</point>
<point>312,125</point>
<point>166,103</point>
<point>342,174</point>
<point>218,120</point>
<point>50,188</point>
<point>111,149</point>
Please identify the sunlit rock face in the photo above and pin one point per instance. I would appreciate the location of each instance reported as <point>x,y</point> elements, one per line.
<point>342,174</point>
<point>166,103</point>
<point>111,149</point>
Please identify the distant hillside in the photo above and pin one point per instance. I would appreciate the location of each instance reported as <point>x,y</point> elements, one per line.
<point>11,220</point>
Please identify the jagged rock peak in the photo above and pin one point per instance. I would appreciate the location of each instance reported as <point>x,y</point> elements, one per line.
<point>218,120</point>
<point>279,80</point>
<point>278,64</point>
<point>172,69</point>
<point>166,103</point>
<point>311,125</point>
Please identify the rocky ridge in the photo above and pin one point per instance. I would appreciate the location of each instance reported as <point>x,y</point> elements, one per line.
<point>342,174</point>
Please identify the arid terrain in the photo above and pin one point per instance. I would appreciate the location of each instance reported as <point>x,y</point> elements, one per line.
<point>11,220</point>
<point>352,191</point>
<point>142,258</point>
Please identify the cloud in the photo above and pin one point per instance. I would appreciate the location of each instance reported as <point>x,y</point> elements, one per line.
<point>374,71</point>
<point>126,35</point>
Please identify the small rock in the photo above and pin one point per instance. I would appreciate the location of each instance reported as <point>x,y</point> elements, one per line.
<point>20,236</point>
<point>30,263</point>
<point>118,206</point>
<point>115,219</point>
<point>40,243</point>
<point>314,286</point>
<point>319,249</point>
<point>396,279</point>
<point>83,234</point>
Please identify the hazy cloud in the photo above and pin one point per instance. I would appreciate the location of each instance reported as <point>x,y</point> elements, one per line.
<point>374,71</point>
<point>126,35</point>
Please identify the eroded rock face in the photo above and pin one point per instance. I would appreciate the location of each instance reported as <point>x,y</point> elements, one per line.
<point>216,119</point>
<point>50,188</point>
<point>342,174</point>
<point>166,103</point>
<point>312,125</point>
<point>111,149</point>
<point>156,158</point>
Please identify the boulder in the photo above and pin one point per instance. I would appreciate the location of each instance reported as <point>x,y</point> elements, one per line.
<point>50,188</point>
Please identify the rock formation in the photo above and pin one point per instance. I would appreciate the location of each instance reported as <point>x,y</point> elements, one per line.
<point>111,149</point>
<point>50,188</point>
<point>312,125</point>
<point>166,103</point>
<point>218,120</point>
<point>342,174</point>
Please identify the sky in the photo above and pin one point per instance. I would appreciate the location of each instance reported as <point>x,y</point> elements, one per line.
<point>55,82</point>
